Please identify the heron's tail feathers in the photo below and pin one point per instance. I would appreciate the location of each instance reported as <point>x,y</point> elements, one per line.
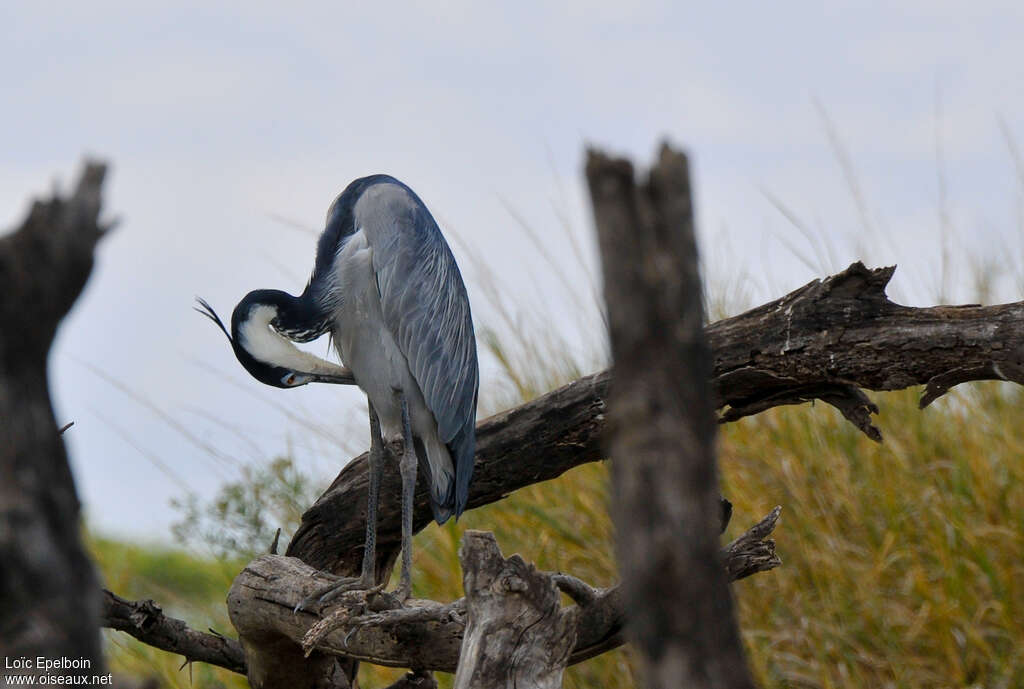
<point>435,463</point>
<point>441,512</point>
<point>463,452</point>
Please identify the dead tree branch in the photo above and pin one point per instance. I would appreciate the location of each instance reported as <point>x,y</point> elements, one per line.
<point>825,340</point>
<point>662,427</point>
<point>753,552</point>
<point>49,597</point>
<point>146,622</point>
<point>427,635</point>
<point>843,333</point>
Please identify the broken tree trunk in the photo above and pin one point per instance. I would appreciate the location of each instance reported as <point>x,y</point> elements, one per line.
<point>517,634</point>
<point>49,597</point>
<point>662,427</point>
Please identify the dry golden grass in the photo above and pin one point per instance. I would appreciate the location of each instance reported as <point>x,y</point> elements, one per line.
<point>903,562</point>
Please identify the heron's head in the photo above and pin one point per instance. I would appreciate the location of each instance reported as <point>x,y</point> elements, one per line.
<point>267,354</point>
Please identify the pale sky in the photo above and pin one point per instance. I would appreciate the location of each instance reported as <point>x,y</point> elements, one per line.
<point>870,122</point>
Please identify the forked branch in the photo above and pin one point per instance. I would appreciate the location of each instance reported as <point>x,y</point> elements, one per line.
<point>428,635</point>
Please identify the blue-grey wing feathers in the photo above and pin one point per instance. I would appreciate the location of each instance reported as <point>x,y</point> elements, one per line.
<point>426,308</point>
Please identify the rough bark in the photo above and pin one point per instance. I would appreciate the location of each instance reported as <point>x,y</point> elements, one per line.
<point>824,340</point>
<point>835,335</point>
<point>146,622</point>
<point>753,552</point>
<point>49,597</point>
<point>428,634</point>
<point>662,428</point>
<point>517,633</point>
<point>260,603</point>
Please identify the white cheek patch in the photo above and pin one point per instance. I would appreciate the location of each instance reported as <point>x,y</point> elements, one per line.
<point>268,346</point>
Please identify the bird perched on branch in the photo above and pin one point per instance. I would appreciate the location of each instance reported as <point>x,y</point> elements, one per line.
<point>386,287</point>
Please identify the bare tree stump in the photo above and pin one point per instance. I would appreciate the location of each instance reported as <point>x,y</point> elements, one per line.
<point>662,427</point>
<point>518,635</point>
<point>49,596</point>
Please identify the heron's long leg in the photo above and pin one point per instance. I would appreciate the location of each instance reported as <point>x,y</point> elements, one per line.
<point>376,470</point>
<point>407,466</point>
<point>367,580</point>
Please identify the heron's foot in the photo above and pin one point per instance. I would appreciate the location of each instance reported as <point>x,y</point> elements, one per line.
<point>353,620</point>
<point>357,590</point>
<point>354,609</point>
<point>402,593</point>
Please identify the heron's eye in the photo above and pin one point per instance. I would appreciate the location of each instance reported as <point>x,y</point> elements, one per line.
<point>289,379</point>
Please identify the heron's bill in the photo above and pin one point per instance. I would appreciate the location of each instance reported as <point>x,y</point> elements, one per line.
<point>345,378</point>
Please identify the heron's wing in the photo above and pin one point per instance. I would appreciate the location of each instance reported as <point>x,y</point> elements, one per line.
<point>427,310</point>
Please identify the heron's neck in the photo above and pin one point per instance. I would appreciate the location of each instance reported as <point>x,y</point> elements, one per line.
<point>301,318</point>
<point>290,316</point>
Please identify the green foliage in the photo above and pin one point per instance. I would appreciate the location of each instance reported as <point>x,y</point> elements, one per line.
<point>244,516</point>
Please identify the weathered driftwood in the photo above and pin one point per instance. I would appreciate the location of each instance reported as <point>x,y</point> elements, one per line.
<point>824,340</point>
<point>517,633</point>
<point>260,604</point>
<point>49,597</point>
<point>662,428</point>
<point>428,634</point>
